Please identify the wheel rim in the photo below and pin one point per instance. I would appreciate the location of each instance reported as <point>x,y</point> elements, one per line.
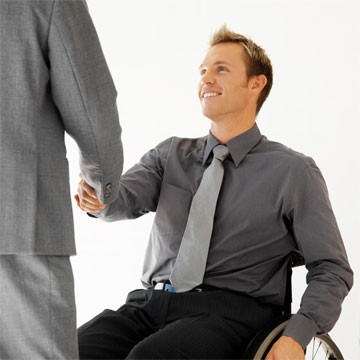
<point>323,347</point>
<point>320,348</point>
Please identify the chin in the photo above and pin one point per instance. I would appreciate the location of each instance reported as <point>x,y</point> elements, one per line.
<point>208,114</point>
<point>211,116</point>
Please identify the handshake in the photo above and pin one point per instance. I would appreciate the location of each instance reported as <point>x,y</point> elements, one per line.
<point>86,197</point>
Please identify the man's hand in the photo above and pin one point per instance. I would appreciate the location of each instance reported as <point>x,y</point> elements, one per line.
<point>286,348</point>
<point>87,199</point>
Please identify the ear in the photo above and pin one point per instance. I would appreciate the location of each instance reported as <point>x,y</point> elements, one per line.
<point>258,82</point>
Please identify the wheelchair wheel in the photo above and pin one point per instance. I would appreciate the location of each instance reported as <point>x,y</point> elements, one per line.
<point>321,347</point>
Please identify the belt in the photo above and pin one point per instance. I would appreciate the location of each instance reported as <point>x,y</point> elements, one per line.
<point>166,286</point>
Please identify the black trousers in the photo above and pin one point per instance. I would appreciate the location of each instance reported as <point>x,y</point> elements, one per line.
<point>154,324</point>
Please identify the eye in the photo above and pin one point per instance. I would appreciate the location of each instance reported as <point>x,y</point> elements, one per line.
<point>202,71</point>
<point>222,69</point>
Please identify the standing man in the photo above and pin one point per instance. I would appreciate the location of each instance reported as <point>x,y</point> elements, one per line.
<point>54,79</point>
<point>206,299</point>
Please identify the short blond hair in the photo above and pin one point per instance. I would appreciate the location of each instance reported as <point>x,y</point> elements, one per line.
<point>257,60</point>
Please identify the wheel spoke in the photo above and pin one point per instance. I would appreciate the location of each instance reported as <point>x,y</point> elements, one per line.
<point>315,351</point>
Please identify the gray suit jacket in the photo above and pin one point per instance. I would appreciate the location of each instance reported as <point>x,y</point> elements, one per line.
<point>54,78</point>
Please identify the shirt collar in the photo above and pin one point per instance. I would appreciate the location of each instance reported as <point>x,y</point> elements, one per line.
<point>239,146</point>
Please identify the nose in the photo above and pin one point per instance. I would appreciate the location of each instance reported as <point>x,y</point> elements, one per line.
<point>207,79</point>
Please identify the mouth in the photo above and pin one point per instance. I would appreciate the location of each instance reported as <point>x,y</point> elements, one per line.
<point>209,94</point>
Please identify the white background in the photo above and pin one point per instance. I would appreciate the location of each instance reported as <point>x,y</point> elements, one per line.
<point>154,48</point>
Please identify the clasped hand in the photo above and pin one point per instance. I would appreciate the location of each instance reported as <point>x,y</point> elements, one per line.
<point>87,199</point>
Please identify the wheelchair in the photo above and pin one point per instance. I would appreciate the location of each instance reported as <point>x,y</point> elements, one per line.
<point>321,346</point>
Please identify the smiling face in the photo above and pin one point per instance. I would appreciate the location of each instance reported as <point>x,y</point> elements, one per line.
<point>224,89</point>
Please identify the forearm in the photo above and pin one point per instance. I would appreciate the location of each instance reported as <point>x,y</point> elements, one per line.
<point>328,284</point>
<point>319,241</point>
<point>126,206</point>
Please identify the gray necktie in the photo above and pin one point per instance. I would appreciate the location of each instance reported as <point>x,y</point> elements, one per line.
<point>189,267</point>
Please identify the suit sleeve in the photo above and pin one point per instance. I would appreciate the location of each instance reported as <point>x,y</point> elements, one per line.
<point>84,93</point>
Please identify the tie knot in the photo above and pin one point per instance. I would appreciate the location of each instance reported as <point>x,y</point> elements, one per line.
<point>221,152</point>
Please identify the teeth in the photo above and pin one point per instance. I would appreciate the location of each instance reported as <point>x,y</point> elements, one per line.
<point>209,94</point>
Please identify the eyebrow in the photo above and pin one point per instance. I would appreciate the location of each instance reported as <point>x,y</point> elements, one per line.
<point>220,62</point>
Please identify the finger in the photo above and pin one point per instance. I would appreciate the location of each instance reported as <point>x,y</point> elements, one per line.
<point>89,207</point>
<point>270,355</point>
<point>84,195</point>
<point>91,203</point>
<point>85,206</point>
<point>80,206</point>
<point>88,189</point>
<point>78,203</point>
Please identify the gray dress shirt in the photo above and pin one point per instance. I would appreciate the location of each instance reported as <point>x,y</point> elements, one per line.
<point>273,203</point>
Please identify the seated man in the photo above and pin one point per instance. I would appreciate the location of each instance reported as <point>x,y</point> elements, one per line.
<point>213,275</point>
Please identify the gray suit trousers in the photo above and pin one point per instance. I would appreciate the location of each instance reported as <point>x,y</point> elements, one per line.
<point>37,308</point>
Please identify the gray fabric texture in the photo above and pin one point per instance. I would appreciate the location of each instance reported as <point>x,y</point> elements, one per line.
<point>54,78</point>
<point>37,308</point>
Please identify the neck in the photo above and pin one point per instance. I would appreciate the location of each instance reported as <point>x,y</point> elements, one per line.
<point>224,131</point>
